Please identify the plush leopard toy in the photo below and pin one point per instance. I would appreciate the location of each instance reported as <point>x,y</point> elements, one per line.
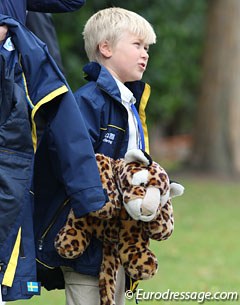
<point>139,209</point>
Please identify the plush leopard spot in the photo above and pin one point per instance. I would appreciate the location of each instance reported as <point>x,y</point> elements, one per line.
<point>71,232</point>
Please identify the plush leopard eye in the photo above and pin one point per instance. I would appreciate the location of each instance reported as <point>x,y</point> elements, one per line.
<point>140,178</point>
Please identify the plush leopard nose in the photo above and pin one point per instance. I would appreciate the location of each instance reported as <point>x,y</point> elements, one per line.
<point>144,208</point>
<point>151,201</point>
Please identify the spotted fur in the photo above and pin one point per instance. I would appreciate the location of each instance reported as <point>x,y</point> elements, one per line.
<point>125,240</point>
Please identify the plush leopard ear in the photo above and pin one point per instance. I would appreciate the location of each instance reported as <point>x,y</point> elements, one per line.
<point>176,189</point>
<point>138,155</point>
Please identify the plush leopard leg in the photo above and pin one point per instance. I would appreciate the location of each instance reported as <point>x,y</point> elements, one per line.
<point>108,274</point>
<point>137,259</point>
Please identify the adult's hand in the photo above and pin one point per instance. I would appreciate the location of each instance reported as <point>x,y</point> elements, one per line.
<point>3,32</point>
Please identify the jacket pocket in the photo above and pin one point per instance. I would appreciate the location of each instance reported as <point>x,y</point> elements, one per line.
<point>46,253</point>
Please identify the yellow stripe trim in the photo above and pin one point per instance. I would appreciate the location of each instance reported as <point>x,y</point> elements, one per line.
<point>45,100</point>
<point>114,126</point>
<point>142,114</point>
<point>26,90</point>
<point>44,264</point>
<point>117,127</point>
<point>35,108</point>
<point>12,264</point>
<point>25,83</point>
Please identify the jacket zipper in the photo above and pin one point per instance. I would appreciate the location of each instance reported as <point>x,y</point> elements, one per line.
<point>21,251</point>
<point>52,222</point>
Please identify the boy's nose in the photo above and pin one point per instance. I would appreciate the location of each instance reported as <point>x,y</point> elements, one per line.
<point>145,54</point>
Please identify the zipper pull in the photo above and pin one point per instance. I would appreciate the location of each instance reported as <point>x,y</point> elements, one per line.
<point>1,266</point>
<point>40,245</point>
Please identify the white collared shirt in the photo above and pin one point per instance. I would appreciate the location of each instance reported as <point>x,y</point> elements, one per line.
<point>128,98</point>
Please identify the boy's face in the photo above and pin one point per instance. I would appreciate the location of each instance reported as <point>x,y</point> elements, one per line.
<point>127,60</point>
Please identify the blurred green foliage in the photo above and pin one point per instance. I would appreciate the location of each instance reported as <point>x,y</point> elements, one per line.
<point>174,68</point>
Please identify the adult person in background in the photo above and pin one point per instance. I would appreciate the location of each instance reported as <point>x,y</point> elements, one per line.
<point>36,105</point>
<point>17,8</point>
<point>3,32</point>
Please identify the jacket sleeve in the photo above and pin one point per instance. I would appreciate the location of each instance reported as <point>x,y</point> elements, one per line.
<point>91,112</point>
<point>54,6</point>
<point>74,155</point>
<point>69,142</point>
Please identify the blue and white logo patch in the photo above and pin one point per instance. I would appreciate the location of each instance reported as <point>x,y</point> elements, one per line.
<point>109,137</point>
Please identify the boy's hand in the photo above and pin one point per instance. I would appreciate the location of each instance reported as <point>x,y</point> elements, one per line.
<point>3,32</point>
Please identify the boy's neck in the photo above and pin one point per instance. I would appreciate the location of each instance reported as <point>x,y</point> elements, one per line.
<point>126,94</point>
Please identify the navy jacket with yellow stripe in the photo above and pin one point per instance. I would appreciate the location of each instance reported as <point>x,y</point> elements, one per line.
<point>38,113</point>
<point>104,114</point>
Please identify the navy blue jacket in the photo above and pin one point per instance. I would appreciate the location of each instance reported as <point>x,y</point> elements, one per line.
<point>105,117</point>
<point>38,115</point>
<point>17,8</point>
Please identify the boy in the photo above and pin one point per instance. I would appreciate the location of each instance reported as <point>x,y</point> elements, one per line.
<point>116,43</point>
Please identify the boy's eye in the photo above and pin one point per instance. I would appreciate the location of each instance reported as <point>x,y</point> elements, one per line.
<point>146,48</point>
<point>137,43</point>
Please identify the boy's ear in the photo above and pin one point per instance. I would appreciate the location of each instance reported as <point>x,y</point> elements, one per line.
<point>105,49</point>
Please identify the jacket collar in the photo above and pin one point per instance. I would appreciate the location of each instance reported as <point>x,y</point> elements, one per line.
<point>98,73</point>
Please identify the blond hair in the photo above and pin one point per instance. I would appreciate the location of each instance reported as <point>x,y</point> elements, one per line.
<point>108,24</point>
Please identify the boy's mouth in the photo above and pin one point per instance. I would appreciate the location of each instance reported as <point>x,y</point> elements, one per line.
<point>142,65</point>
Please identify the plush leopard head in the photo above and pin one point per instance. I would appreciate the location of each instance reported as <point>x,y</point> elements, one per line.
<point>143,184</point>
<point>139,209</point>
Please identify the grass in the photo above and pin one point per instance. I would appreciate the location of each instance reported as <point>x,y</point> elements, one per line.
<point>203,252</point>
